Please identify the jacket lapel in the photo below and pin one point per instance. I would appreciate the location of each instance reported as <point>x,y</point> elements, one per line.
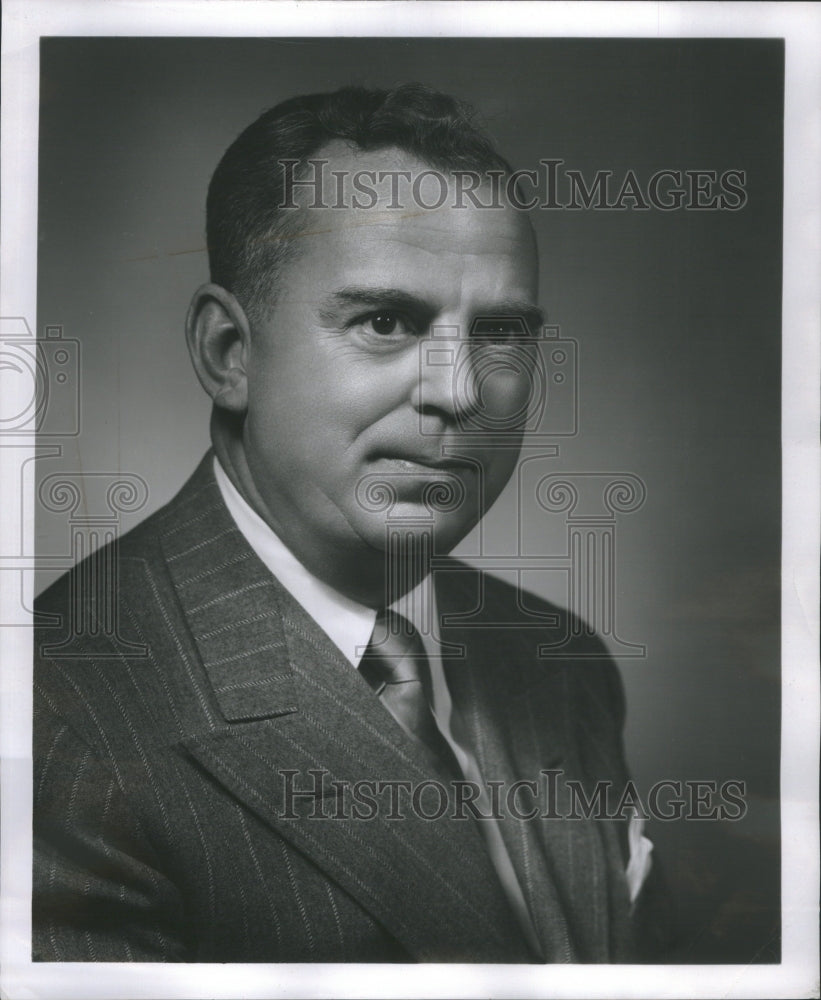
<point>303,734</point>
<point>519,715</point>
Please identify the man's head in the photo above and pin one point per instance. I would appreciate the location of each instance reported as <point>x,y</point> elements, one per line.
<point>363,351</point>
<point>250,236</point>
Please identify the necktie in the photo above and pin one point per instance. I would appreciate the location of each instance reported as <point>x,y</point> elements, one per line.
<point>396,667</point>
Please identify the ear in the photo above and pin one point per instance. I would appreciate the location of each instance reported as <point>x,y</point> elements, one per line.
<point>219,337</point>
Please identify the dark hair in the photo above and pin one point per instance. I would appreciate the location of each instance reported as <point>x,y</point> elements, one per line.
<point>248,233</point>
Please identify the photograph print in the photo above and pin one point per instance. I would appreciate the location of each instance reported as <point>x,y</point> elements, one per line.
<point>408,500</point>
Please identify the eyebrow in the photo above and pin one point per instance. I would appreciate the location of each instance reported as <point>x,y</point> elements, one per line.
<point>533,316</point>
<point>384,298</point>
<point>396,298</point>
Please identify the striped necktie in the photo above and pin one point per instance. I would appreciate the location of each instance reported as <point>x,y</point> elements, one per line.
<point>396,667</point>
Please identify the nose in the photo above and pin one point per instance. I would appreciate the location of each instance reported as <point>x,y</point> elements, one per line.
<point>446,384</point>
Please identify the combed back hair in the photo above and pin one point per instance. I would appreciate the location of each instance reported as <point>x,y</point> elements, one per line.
<point>248,233</point>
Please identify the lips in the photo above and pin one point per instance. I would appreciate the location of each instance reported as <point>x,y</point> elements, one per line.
<point>408,461</point>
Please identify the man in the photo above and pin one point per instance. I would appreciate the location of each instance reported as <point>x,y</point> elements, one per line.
<point>332,741</point>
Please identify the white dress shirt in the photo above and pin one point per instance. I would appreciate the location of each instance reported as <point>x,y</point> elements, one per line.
<point>350,625</point>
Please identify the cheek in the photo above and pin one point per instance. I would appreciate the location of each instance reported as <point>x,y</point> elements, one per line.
<point>507,386</point>
<point>307,416</point>
<point>290,384</point>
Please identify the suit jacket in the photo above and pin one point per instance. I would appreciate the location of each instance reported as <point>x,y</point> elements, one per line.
<point>166,736</point>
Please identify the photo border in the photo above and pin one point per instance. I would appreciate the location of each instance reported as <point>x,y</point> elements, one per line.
<point>800,25</point>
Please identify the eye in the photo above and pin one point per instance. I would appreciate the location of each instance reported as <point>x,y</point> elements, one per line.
<point>499,329</point>
<point>384,328</point>
<point>384,323</point>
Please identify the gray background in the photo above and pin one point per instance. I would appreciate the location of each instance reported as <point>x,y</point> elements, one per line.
<point>677,316</point>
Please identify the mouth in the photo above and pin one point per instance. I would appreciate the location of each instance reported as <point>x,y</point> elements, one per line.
<point>421,464</point>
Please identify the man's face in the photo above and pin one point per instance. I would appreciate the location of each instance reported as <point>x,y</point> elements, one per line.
<point>350,385</point>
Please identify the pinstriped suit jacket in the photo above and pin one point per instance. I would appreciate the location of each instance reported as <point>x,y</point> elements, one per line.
<point>163,829</point>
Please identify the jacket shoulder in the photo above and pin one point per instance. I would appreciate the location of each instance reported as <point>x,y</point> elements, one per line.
<point>105,627</point>
<point>496,603</point>
<point>531,637</point>
<point>198,496</point>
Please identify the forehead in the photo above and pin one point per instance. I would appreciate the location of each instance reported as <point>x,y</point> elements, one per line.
<point>376,221</point>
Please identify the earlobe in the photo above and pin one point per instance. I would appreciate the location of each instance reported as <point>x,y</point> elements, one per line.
<point>218,336</point>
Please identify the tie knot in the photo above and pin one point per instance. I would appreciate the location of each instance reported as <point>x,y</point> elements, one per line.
<point>395,653</point>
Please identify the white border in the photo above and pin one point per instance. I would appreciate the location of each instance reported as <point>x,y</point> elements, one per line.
<point>24,21</point>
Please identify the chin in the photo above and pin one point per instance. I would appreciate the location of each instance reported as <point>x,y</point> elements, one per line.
<point>415,531</point>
